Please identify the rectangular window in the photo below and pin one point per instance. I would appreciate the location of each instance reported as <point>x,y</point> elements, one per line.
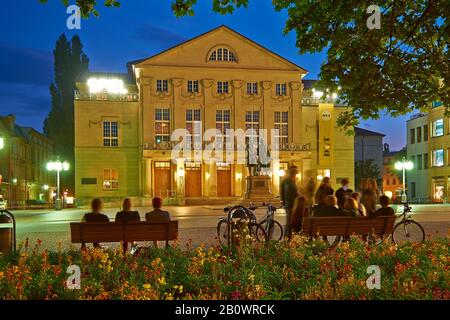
<point>162,85</point>
<point>413,160</point>
<point>193,126</point>
<point>110,179</point>
<point>222,87</point>
<point>281,124</point>
<point>419,162</point>
<point>419,134</point>
<point>252,88</point>
<point>88,180</point>
<point>110,134</point>
<point>281,89</point>
<point>412,136</point>
<point>426,132</point>
<point>222,125</point>
<point>388,181</point>
<point>438,128</point>
<point>193,86</point>
<point>162,125</point>
<point>252,127</point>
<point>413,189</point>
<point>438,158</point>
<point>425,161</point>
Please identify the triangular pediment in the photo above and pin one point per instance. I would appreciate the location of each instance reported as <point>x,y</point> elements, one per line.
<point>195,52</point>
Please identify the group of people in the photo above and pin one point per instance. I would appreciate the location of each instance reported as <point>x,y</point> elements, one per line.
<point>126,215</point>
<point>325,202</point>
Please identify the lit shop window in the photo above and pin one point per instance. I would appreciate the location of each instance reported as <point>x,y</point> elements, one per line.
<point>110,179</point>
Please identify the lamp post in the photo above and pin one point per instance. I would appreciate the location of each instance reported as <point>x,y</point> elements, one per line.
<point>58,166</point>
<point>404,165</point>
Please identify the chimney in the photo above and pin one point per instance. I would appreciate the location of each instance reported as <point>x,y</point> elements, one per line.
<point>386,147</point>
<point>10,120</point>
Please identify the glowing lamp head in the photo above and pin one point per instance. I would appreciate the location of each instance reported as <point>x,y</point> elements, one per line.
<point>399,165</point>
<point>281,173</point>
<point>45,187</point>
<point>2,143</point>
<point>317,94</point>
<point>409,165</point>
<point>97,85</point>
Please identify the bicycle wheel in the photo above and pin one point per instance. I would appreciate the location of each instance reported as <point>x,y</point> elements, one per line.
<point>257,232</point>
<point>275,232</point>
<point>408,231</point>
<point>222,231</point>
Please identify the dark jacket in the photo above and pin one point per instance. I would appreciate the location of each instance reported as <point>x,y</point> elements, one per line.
<point>290,193</point>
<point>350,212</point>
<point>95,217</point>
<point>322,193</point>
<point>385,211</point>
<point>323,210</point>
<point>127,216</point>
<point>342,194</point>
<point>157,216</point>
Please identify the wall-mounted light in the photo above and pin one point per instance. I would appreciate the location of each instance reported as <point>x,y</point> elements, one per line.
<point>281,173</point>
<point>238,176</point>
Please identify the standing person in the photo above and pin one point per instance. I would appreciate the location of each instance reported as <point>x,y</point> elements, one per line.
<point>289,194</point>
<point>300,212</point>
<point>323,191</point>
<point>361,208</point>
<point>343,192</point>
<point>310,188</point>
<point>127,215</point>
<point>368,196</point>
<point>157,215</point>
<point>95,216</point>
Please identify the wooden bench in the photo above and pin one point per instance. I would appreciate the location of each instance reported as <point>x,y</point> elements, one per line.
<point>83,232</point>
<point>347,226</point>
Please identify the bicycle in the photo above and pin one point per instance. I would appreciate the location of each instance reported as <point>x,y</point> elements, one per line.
<point>407,229</point>
<point>272,228</point>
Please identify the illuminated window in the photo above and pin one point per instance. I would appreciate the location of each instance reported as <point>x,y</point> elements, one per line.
<point>162,125</point>
<point>222,87</point>
<point>222,54</point>
<point>162,85</point>
<point>252,127</point>
<point>110,134</point>
<point>438,158</point>
<point>252,88</point>
<point>281,89</point>
<point>193,127</point>
<point>438,128</point>
<point>222,125</point>
<point>281,124</point>
<point>192,86</point>
<point>110,179</point>
<point>223,166</point>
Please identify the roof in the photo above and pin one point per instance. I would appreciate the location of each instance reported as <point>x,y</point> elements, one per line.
<point>19,131</point>
<point>135,62</point>
<point>365,132</point>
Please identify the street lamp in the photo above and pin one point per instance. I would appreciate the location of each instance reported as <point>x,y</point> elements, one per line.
<point>58,166</point>
<point>404,165</point>
<point>2,143</point>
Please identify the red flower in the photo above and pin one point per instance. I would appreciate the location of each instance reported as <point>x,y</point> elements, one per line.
<point>235,295</point>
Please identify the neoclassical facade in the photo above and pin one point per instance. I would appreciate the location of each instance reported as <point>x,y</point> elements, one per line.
<point>219,80</point>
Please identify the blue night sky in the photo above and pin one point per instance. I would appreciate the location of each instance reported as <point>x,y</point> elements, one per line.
<point>140,28</point>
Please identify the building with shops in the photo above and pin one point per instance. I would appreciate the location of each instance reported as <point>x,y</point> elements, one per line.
<point>392,178</point>
<point>428,147</point>
<point>219,80</point>
<point>24,178</point>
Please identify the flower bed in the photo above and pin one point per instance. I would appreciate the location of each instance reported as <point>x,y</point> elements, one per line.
<point>298,269</point>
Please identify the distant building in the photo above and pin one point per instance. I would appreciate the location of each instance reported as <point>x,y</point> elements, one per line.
<point>392,179</point>
<point>428,147</point>
<point>369,146</point>
<point>23,164</point>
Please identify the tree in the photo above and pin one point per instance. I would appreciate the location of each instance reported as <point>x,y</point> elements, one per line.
<point>400,67</point>
<point>69,63</point>
<point>367,169</point>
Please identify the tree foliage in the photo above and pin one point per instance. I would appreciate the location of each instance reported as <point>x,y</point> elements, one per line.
<point>69,62</point>
<point>367,169</point>
<point>400,67</point>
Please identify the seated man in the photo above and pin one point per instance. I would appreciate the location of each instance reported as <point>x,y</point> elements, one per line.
<point>385,210</point>
<point>127,215</point>
<point>95,216</point>
<point>157,215</point>
<point>327,209</point>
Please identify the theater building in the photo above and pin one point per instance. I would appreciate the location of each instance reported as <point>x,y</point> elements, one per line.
<point>220,80</point>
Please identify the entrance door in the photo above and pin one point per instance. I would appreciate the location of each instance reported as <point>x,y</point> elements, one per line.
<point>163,179</point>
<point>193,180</point>
<point>223,180</point>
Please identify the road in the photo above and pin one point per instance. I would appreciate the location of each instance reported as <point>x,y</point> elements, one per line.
<point>195,222</point>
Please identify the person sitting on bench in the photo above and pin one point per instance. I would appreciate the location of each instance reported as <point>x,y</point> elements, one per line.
<point>157,215</point>
<point>385,210</point>
<point>127,215</point>
<point>327,209</point>
<point>95,216</point>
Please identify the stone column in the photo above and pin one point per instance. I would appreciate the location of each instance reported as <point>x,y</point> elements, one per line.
<point>295,112</point>
<point>148,177</point>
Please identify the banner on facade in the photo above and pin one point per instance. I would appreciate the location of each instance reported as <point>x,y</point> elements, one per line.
<point>326,134</point>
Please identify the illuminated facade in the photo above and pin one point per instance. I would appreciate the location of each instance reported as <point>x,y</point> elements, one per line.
<point>219,80</point>
<point>428,147</point>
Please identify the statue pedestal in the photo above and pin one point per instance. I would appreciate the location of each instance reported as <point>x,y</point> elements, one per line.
<point>258,189</point>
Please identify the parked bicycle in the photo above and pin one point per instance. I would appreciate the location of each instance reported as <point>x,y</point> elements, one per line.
<point>407,230</point>
<point>273,229</point>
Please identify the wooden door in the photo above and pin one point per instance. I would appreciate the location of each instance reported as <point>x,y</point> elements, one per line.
<point>223,180</point>
<point>163,175</point>
<point>193,182</point>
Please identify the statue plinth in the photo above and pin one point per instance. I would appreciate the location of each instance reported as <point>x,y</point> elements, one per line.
<point>258,189</point>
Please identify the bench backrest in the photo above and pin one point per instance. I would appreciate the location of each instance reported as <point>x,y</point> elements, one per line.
<point>333,226</point>
<point>82,232</point>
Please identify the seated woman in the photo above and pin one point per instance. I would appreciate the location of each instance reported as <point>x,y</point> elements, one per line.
<point>95,216</point>
<point>327,209</point>
<point>350,208</point>
<point>127,215</point>
<point>300,212</point>
<point>361,209</point>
